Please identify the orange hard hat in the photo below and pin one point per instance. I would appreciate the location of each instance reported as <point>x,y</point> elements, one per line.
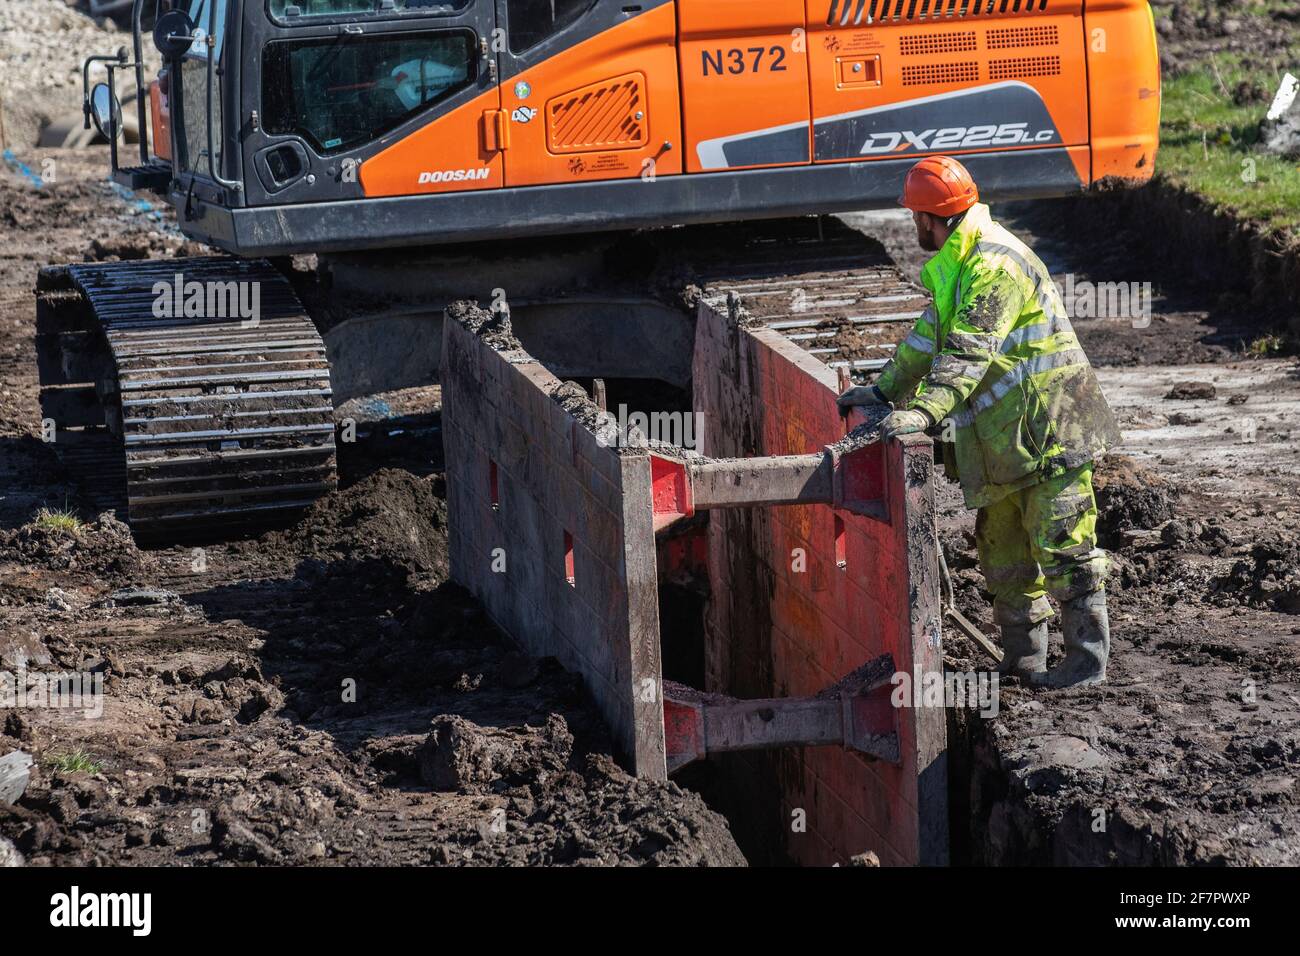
<point>939,185</point>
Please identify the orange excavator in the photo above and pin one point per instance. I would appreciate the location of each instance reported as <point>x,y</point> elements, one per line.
<point>199,390</point>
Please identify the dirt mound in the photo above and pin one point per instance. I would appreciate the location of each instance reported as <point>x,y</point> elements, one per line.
<point>236,690</point>
<point>459,755</point>
<point>1151,542</point>
<point>588,811</point>
<point>104,548</point>
<point>1130,497</point>
<point>1268,577</point>
<point>596,816</point>
<point>605,816</point>
<point>46,42</point>
<point>392,517</point>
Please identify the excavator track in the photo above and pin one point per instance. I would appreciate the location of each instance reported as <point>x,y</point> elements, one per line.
<point>820,284</point>
<point>218,423</point>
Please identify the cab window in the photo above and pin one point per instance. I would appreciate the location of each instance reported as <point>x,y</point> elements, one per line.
<point>200,12</point>
<point>288,9</point>
<point>192,135</point>
<point>532,21</point>
<point>338,92</point>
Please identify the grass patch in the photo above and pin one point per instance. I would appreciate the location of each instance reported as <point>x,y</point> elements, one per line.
<point>1266,345</point>
<point>64,521</point>
<point>75,761</point>
<point>1209,142</point>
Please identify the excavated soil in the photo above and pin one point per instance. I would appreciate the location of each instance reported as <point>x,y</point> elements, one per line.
<point>391,517</point>
<point>319,694</point>
<point>1130,498</point>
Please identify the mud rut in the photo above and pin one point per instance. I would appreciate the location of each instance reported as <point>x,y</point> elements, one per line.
<point>227,738</point>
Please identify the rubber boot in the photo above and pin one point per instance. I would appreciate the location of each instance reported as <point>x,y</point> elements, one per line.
<point>1024,650</point>
<point>1086,628</point>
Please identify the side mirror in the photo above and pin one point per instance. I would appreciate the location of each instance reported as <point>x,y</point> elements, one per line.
<point>173,34</point>
<point>106,112</point>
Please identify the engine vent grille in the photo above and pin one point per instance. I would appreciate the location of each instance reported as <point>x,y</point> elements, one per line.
<point>1003,38</point>
<point>924,74</point>
<point>1024,66</point>
<point>605,115</point>
<point>857,12</point>
<point>920,44</point>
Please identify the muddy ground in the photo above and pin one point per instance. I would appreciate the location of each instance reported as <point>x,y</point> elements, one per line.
<point>320,694</point>
<point>1262,32</point>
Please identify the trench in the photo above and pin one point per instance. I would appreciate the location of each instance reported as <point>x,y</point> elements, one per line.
<point>745,788</point>
<point>641,349</point>
<point>684,592</point>
<point>637,353</point>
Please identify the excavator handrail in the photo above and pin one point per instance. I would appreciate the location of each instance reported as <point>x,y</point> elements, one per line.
<point>211,41</point>
<point>137,30</point>
<point>141,96</point>
<point>211,103</point>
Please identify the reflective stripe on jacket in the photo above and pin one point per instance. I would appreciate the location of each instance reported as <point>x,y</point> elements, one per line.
<point>996,360</point>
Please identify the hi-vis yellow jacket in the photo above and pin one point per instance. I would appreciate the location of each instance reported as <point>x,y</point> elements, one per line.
<point>995,359</point>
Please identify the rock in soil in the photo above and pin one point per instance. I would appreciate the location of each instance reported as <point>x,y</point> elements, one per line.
<point>9,855</point>
<point>461,756</point>
<point>1189,391</point>
<point>15,772</point>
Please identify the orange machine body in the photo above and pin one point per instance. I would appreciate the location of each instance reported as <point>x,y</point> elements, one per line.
<point>569,116</point>
<point>708,85</point>
<point>160,121</point>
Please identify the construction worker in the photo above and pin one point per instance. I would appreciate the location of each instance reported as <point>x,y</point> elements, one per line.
<point>995,362</point>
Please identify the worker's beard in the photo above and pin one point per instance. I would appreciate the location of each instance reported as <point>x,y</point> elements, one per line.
<point>926,240</point>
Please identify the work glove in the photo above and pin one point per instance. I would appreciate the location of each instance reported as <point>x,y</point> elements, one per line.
<point>908,421</point>
<point>861,396</point>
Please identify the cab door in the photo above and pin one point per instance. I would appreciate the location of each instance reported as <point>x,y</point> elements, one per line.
<point>588,90</point>
<point>357,98</point>
<point>744,72</point>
